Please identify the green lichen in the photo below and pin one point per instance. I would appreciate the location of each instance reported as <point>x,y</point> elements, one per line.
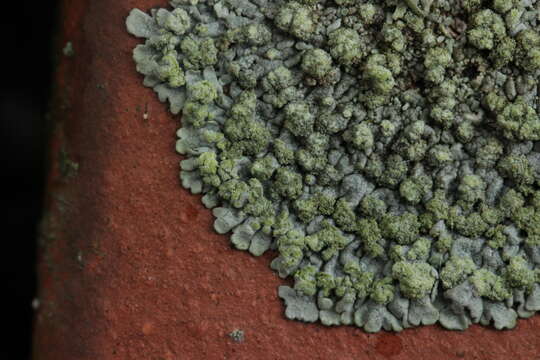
<point>360,136</point>
<point>373,207</point>
<point>415,188</point>
<point>307,208</point>
<point>394,37</point>
<point>177,21</point>
<point>440,155</point>
<point>203,92</point>
<point>317,63</point>
<point>465,132</point>
<point>436,61</point>
<point>170,71</point>
<point>456,270</point>
<point>395,170</point>
<point>489,285</point>
<point>490,214</point>
<point>370,234</point>
<point>471,189</point>
<point>528,42</point>
<point>296,19</point>
<point>383,291</point>
<point>416,279</point>
<point>358,283</point>
<point>326,283</point>
<point>489,153</point>
<point>305,280</point>
<point>264,168</point>
<point>511,201</point>
<point>519,121</point>
<point>504,53</point>
<point>420,250</point>
<point>346,46</point>
<point>256,34</point>
<point>381,78</point>
<point>517,168</point>
<point>298,119</point>
<point>503,6</point>
<point>438,205</point>
<point>208,166</point>
<point>487,28</point>
<point>498,238</point>
<point>283,153</point>
<point>471,225</point>
<point>288,183</point>
<point>444,244</point>
<point>519,274</point>
<point>195,114</point>
<point>243,130</point>
<point>368,13</point>
<point>278,79</point>
<point>330,240</point>
<point>344,216</point>
<point>402,228</point>
<point>198,54</point>
<point>471,5</point>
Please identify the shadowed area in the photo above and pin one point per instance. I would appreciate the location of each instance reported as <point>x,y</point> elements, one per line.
<point>24,95</point>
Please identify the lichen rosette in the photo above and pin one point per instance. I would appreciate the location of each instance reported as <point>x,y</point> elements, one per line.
<point>387,151</point>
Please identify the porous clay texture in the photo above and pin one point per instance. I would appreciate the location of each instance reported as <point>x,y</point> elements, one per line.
<point>388,150</point>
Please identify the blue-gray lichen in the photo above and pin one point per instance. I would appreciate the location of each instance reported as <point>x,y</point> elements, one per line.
<point>389,151</point>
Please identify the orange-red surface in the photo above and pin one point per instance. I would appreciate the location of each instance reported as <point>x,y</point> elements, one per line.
<point>129,265</point>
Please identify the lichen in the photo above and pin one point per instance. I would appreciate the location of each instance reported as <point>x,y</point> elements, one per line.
<point>346,46</point>
<point>416,279</point>
<point>388,151</point>
<point>456,270</point>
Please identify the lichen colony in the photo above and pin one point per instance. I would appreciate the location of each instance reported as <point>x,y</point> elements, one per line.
<point>387,150</point>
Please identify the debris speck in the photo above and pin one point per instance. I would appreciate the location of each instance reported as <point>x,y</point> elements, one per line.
<point>237,336</point>
<point>68,50</point>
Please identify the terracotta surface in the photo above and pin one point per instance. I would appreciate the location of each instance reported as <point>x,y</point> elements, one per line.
<point>129,265</point>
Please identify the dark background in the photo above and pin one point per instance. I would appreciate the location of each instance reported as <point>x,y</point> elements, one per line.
<point>28,30</point>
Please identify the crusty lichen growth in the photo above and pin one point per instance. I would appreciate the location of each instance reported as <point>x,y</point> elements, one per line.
<point>297,19</point>
<point>416,279</point>
<point>490,285</point>
<point>346,46</point>
<point>389,151</point>
<point>456,270</point>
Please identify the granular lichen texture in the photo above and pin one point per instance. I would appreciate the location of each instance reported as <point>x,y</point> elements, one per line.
<point>388,151</point>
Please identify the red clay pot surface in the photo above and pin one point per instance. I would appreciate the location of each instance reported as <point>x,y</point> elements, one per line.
<point>130,267</point>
